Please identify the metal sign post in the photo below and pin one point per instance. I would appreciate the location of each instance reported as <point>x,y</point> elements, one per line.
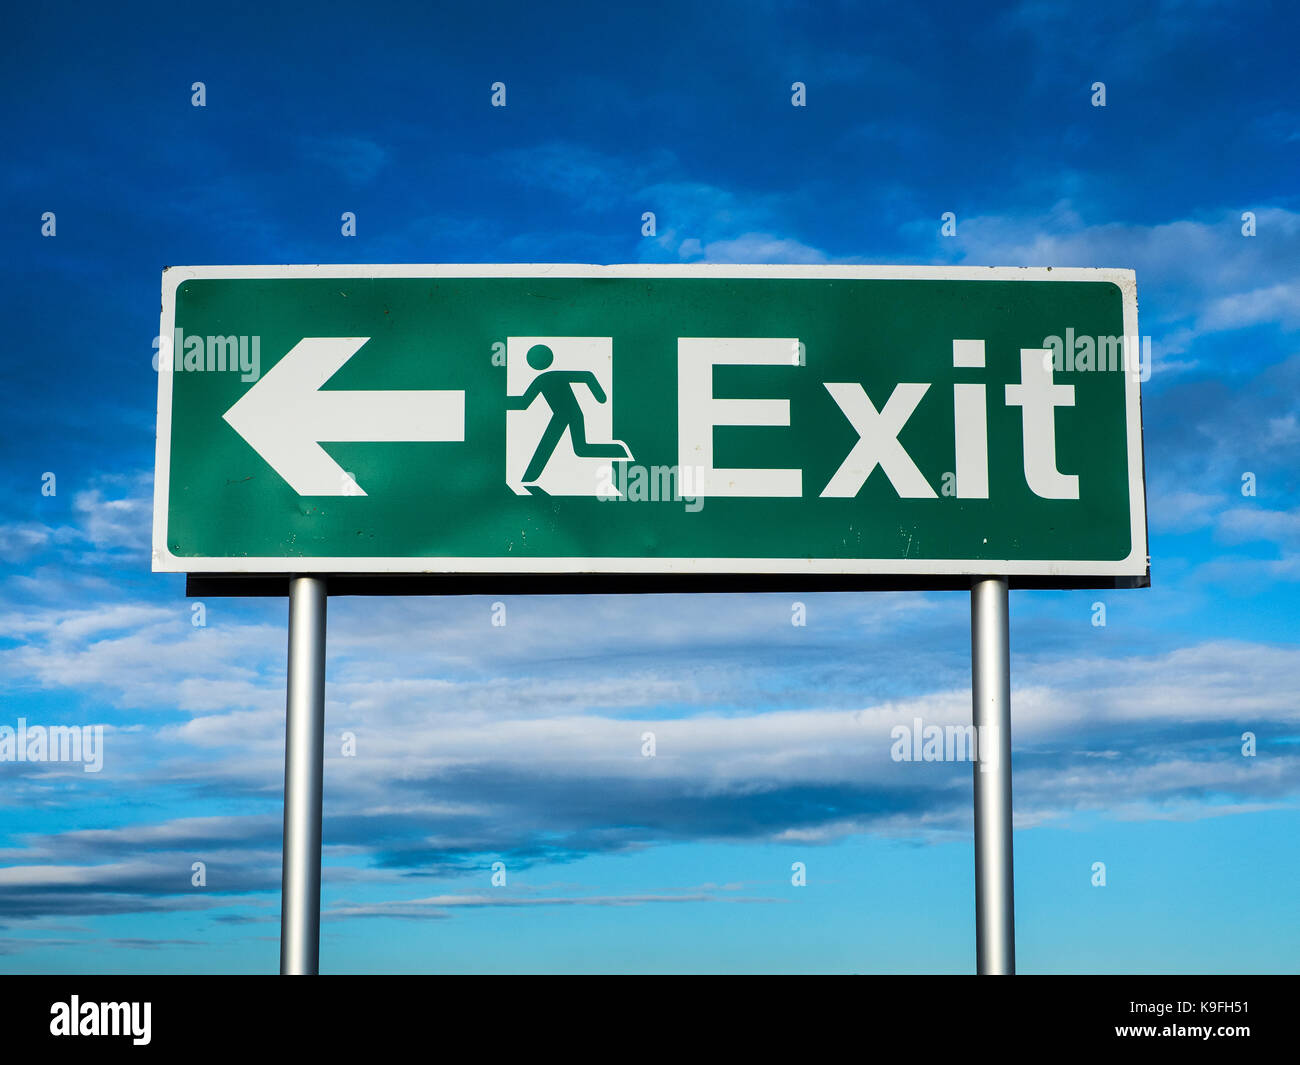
<point>995,914</point>
<point>304,756</point>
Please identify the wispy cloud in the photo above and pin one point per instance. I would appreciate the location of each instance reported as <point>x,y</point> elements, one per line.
<point>357,160</point>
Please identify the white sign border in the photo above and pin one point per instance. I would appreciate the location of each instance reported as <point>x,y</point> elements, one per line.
<point>1137,564</point>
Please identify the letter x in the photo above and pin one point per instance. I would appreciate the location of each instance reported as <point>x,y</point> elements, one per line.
<point>878,441</point>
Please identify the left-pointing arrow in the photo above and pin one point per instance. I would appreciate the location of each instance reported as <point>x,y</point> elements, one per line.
<point>285,416</point>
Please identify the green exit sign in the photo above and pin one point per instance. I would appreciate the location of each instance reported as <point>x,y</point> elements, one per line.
<point>769,425</point>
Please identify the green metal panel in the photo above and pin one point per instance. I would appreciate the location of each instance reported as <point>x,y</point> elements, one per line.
<point>450,500</point>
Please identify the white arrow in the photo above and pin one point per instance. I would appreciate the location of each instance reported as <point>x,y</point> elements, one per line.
<point>284,416</point>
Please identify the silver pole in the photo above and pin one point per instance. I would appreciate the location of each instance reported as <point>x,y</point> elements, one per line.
<point>304,756</point>
<point>995,913</point>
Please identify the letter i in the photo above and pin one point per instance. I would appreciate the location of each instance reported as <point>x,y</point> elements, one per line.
<point>970,424</point>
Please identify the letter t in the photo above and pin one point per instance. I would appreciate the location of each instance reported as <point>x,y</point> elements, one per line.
<point>1037,397</point>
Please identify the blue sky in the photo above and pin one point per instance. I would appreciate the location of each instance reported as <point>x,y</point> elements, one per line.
<point>478,744</point>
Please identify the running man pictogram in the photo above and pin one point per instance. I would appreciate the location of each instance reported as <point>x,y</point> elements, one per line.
<point>557,388</point>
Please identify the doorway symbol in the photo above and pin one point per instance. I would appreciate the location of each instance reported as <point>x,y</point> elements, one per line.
<point>563,445</point>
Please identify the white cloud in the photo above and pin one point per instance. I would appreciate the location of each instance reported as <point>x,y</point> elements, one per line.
<point>1182,511</point>
<point>113,515</point>
<point>356,159</point>
<point>19,541</point>
<point>1195,276</point>
<point>124,522</point>
<point>1243,524</point>
<point>438,905</point>
<point>752,248</point>
<point>1275,303</point>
